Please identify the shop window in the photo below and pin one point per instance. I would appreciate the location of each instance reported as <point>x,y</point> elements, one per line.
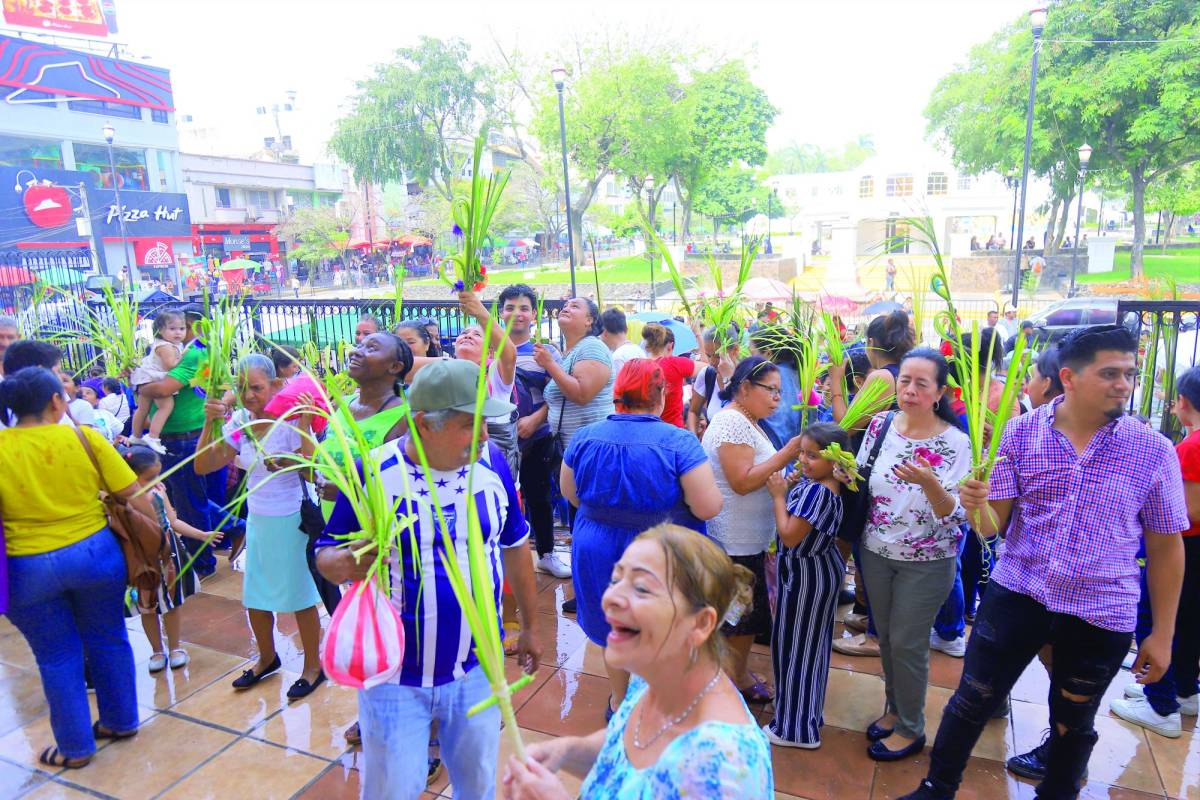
<point>866,186</point>
<point>159,116</point>
<point>107,109</point>
<point>17,151</point>
<point>900,185</point>
<point>260,199</point>
<point>964,183</point>
<point>224,200</point>
<point>130,163</point>
<point>937,183</point>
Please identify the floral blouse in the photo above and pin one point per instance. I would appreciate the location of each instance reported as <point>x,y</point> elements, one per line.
<point>901,524</point>
<point>714,760</point>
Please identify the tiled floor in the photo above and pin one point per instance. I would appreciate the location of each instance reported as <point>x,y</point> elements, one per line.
<point>201,740</point>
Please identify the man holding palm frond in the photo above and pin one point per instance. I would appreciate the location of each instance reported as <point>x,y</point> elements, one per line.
<point>440,678</point>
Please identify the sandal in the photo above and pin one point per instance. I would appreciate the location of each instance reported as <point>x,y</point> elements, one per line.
<point>104,733</point>
<point>757,692</point>
<point>52,757</point>
<point>512,634</point>
<point>353,734</point>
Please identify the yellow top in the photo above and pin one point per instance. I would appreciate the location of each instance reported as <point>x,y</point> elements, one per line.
<point>49,490</point>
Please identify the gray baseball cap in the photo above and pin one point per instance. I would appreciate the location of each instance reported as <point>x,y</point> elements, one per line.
<point>450,384</point>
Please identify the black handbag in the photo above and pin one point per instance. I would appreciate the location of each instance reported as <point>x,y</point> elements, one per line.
<point>856,505</point>
<point>557,449</point>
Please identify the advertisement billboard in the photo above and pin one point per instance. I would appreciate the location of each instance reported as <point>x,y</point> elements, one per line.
<point>93,18</point>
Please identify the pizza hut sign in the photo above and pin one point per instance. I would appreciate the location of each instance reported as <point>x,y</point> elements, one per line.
<point>130,215</point>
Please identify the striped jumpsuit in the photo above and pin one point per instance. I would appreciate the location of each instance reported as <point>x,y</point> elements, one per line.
<point>810,577</point>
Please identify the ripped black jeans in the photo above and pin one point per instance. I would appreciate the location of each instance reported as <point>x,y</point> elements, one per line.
<point>1009,630</point>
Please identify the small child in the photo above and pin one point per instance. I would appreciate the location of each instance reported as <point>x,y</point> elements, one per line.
<point>810,577</point>
<point>170,329</point>
<point>171,595</point>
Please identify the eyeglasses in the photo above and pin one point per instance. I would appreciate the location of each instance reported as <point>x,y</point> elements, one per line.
<point>774,390</point>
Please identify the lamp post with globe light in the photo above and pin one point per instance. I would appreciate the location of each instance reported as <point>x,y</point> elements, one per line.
<point>1085,155</point>
<point>1037,22</point>
<point>560,78</point>
<point>109,134</point>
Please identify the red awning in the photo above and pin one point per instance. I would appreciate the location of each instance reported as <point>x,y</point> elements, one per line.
<point>16,276</point>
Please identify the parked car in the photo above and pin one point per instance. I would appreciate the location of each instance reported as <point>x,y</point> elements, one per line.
<point>1056,321</point>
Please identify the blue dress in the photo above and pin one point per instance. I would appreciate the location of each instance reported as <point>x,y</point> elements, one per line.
<point>712,761</point>
<point>627,470</point>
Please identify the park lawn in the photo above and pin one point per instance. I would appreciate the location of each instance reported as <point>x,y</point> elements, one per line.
<point>623,269</point>
<point>1181,264</point>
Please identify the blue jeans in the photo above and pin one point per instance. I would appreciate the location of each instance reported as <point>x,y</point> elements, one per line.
<point>69,603</point>
<point>189,495</point>
<point>978,566</point>
<point>1181,678</point>
<point>950,623</point>
<point>395,722</point>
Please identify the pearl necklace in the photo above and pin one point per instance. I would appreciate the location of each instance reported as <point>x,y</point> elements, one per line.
<point>673,721</point>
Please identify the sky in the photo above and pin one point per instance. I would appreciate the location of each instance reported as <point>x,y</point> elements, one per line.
<point>834,68</point>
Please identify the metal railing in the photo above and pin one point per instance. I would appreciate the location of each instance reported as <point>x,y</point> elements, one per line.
<point>1169,335</point>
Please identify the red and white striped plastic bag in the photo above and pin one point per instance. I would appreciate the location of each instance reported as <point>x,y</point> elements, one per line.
<point>364,645</point>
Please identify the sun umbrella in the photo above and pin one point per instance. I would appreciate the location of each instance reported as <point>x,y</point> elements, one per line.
<point>412,240</point>
<point>685,340</point>
<point>16,276</point>
<point>882,307</point>
<point>766,289</point>
<point>836,304</point>
<point>240,263</point>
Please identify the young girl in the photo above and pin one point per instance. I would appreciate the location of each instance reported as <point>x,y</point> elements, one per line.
<point>146,465</point>
<point>170,330</point>
<point>810,577</point>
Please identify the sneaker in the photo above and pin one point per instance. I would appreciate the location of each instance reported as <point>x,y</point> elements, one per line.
<point>1188,706</point>
<point>154,444</point>
<point>956,648</point>
<point>855,622</point>
<point>1139,711</point>
<point>552,564</point>
<point>774,739</point>
<point>860,645</point>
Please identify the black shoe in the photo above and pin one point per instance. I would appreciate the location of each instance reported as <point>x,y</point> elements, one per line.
<point>845,597</point>
<point>875,732</point>
<point>925,792</point>
<point>302,688</point>
<point>435,771</point>
<point>568,606</point>
<point>1031,765</point>
<point>249,678</point>
<point>880,752</point>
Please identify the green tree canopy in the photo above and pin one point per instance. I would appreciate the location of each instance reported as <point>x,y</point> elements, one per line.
<point>416,116</point>
<point>797,158</point>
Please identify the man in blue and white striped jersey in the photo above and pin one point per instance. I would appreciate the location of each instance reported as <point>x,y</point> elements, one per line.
<point>439,679</point>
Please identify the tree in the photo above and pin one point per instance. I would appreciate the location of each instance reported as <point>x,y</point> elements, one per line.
<point>726,119</point>
<point>733,194</point>
<point>1122,76</point>
<point>415,117</point>
<point>1176,194</point>
<point>320,234</point>
<point>796,158</point>
<point>612,108</point>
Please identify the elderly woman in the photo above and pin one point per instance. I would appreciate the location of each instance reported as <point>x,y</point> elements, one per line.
<point>277,578</point>
<point>66,573</point>
<point>743,458</point>
<point>626,474</point>
<point>910,545</point>
<point>682,731</point>
<point>580,388</point>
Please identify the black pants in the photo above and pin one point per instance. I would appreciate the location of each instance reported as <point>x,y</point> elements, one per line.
<point>1181,678</point>
<point>1009,630</point>
<point>535,490</point>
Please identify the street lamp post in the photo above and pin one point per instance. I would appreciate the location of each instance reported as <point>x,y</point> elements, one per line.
<point>649,246</point>
<point>1085,155</point>
<point>1037,21</point>
<point>109,134</point>
<point>560,77</point>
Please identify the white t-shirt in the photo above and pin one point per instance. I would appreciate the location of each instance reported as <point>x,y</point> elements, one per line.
<point>626,352</point>
<point>746,524</point>
<point>271,494</point>
<point>714,403</point>
<point>500,390</point>
<point>116,404</point>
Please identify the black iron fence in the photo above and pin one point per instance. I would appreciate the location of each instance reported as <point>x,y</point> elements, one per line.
<point>1169,335</point>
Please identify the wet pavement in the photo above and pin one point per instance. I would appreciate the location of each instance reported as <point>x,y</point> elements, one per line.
<point>201,739</point>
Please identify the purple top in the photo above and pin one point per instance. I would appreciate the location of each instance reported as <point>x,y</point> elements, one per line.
<point>1073,537</point>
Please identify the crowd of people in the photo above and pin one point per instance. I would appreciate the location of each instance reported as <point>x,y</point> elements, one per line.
<point>707,508</point>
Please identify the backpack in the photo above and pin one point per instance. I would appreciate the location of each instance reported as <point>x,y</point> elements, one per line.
<point>144,543</point>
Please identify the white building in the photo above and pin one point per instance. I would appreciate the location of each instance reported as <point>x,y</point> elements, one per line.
<point>860,209</point>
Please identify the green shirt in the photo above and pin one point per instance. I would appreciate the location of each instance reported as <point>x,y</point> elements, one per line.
<point>188,414</point>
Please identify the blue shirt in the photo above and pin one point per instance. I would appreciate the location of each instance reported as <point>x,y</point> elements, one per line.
<point>438,647</point>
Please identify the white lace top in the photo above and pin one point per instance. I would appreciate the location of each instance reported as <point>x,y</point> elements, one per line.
<point>746,523</point>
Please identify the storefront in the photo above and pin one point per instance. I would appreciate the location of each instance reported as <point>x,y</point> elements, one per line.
<point>220,242</point>
<point>157,228</point>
